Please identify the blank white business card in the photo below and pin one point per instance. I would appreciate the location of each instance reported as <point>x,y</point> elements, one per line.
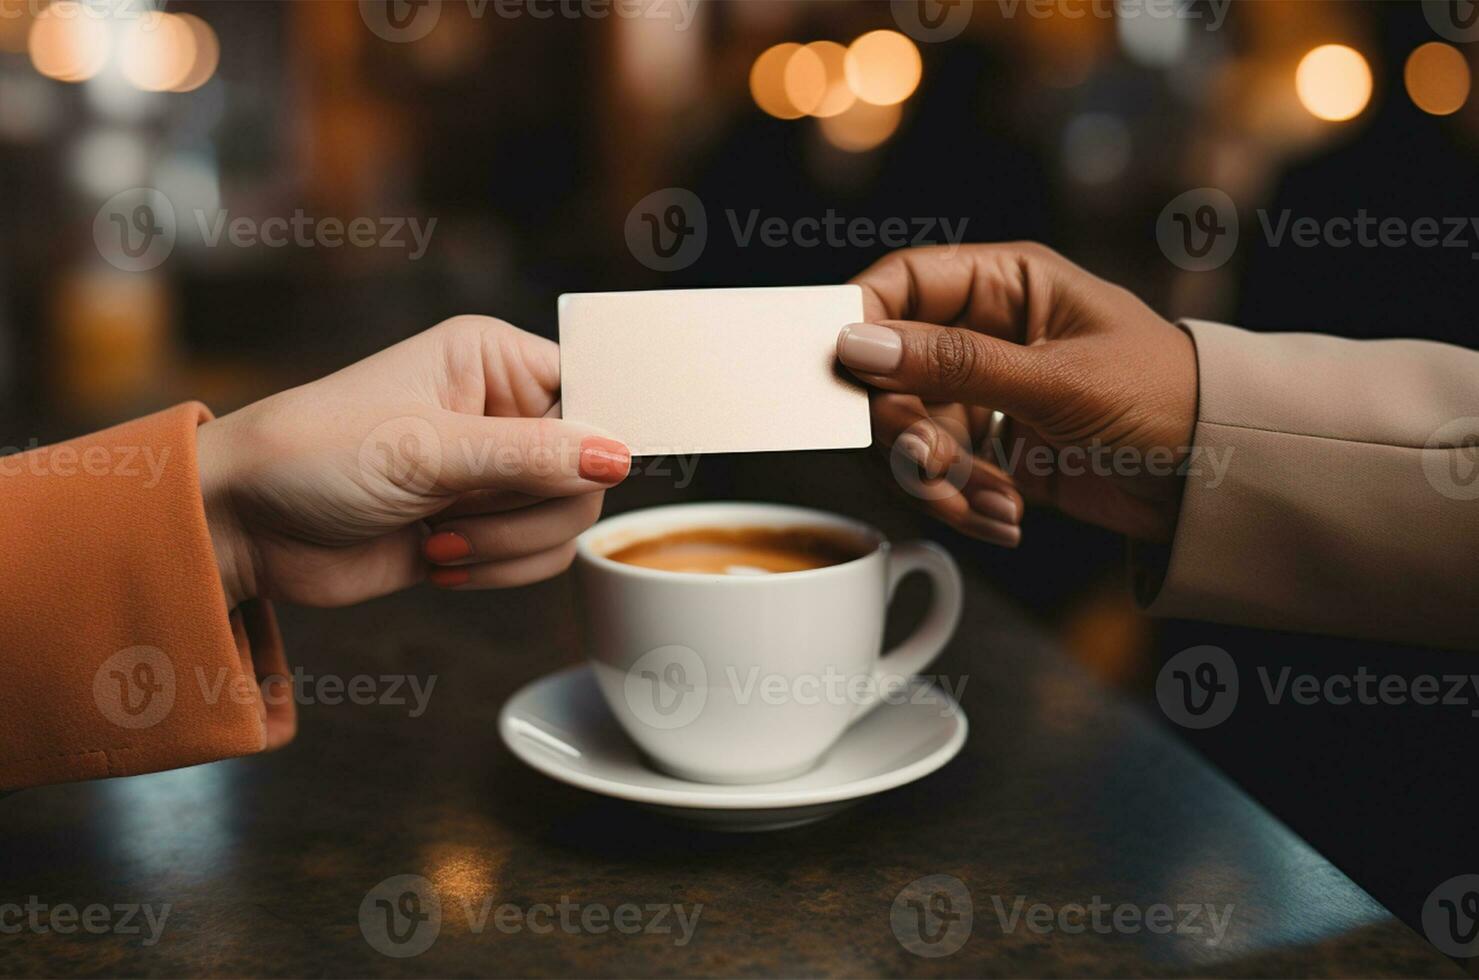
<point>713,370</point>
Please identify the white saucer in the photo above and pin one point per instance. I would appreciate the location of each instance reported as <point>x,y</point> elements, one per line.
<point>560,725</point>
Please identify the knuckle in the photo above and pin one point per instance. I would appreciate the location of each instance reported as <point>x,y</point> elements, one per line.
<point>953,357</point>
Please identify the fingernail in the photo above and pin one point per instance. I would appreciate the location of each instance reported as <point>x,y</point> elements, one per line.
<point>449,578</point>
<point>997,532</point>
<point>915,448</point>
<point>445,546</point>
<point>870,348</point>
<point>604,460</point>
<point>995,505</point>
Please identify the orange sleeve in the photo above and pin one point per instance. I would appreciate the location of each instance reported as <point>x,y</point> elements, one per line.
<point>117,653</point>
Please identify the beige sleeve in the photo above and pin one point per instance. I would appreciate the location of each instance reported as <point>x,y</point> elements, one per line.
<point>1333,488</point>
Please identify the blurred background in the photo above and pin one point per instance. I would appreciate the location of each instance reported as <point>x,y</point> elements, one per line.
<point>216,200</point>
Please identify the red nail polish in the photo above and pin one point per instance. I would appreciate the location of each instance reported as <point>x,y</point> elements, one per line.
<point>449,578</point>
<point>445,546</point>
<point>604,460</point>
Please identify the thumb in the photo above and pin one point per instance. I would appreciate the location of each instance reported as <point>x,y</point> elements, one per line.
<point>949,364</point>
<point>542,457</point>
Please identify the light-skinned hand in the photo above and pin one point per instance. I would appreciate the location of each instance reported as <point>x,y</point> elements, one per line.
<point>431,459</point>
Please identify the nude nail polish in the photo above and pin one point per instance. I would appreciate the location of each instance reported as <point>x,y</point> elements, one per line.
<point>995,505</point>
<point>869,348</point>
<point>604,460</point>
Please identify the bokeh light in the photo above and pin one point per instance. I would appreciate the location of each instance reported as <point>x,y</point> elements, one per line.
<point>836,96</point>
<point>67,43</point>
<point>805,80</point>
<point>207,55</point>
<point>1438,78</point>
<point>883,67</point>
<point>157,51</point>
<point>1333,82</point>
<point>106,161</point>
<point>768,81</point>
<point>1155,33</point>
<point>862,127</point>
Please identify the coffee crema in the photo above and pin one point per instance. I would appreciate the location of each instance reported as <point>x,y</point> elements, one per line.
<point>743,551</point>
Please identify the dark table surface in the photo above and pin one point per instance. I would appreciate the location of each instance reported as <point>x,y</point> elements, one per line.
<point>1064,796</point>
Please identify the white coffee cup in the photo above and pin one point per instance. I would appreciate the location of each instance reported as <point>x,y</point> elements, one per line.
<point>751,678</point>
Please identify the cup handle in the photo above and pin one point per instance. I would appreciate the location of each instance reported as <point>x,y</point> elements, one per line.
<point>917,651</point>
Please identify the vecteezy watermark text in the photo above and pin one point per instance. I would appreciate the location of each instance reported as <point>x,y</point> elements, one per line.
<point>669,686</point>
<point>406,21</point>
<point>668,230</point>
<point>64,918</point>
<point>1205,465</point>
<point>1199,230</point>
<point>144,463</point>
<point>942,20</point>
<point>1200,686</point>
<point>137,229</point>
<point>402,916</point>
<point>305,231</point>
<point>410,453</point>
<point>1105,918</point>
<point>137,688</point>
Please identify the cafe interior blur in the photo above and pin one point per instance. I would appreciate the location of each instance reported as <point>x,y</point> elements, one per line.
<point>528,132</point>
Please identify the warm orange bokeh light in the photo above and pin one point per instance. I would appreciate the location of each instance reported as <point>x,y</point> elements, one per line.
<point>157,51</point>
<point>67,44</point>
<point>883,67</point>
<point>207,55</point>
<point>805,80</point>
<point>836,97</point>
<point>862,127</point>
<point>1437,78</point>
<point>1333,82</point>
<point>768,81</point>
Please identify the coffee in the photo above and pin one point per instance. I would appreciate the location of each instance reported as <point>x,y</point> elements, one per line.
<point>743,551</point>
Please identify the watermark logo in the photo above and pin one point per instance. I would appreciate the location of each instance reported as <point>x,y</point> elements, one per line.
<point>1203,465</point>
<point>400,21</point>
<point>1198,688</point>
<point>1454,20</point>
<point>932,21</point>
<point>135,688</point>
<point>667,688</point>
<point>667,230</point>
<point>1105,918</point>
<point>135,229</point>
<point>1198,230</point>
<point>1451,459</point>
<point>1451,916</point>
<point>404,451</point>
<point>401,916</point>
<point>933,916</point>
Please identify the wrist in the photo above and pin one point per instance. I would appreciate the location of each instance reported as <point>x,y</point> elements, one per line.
<point>229,540</point>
